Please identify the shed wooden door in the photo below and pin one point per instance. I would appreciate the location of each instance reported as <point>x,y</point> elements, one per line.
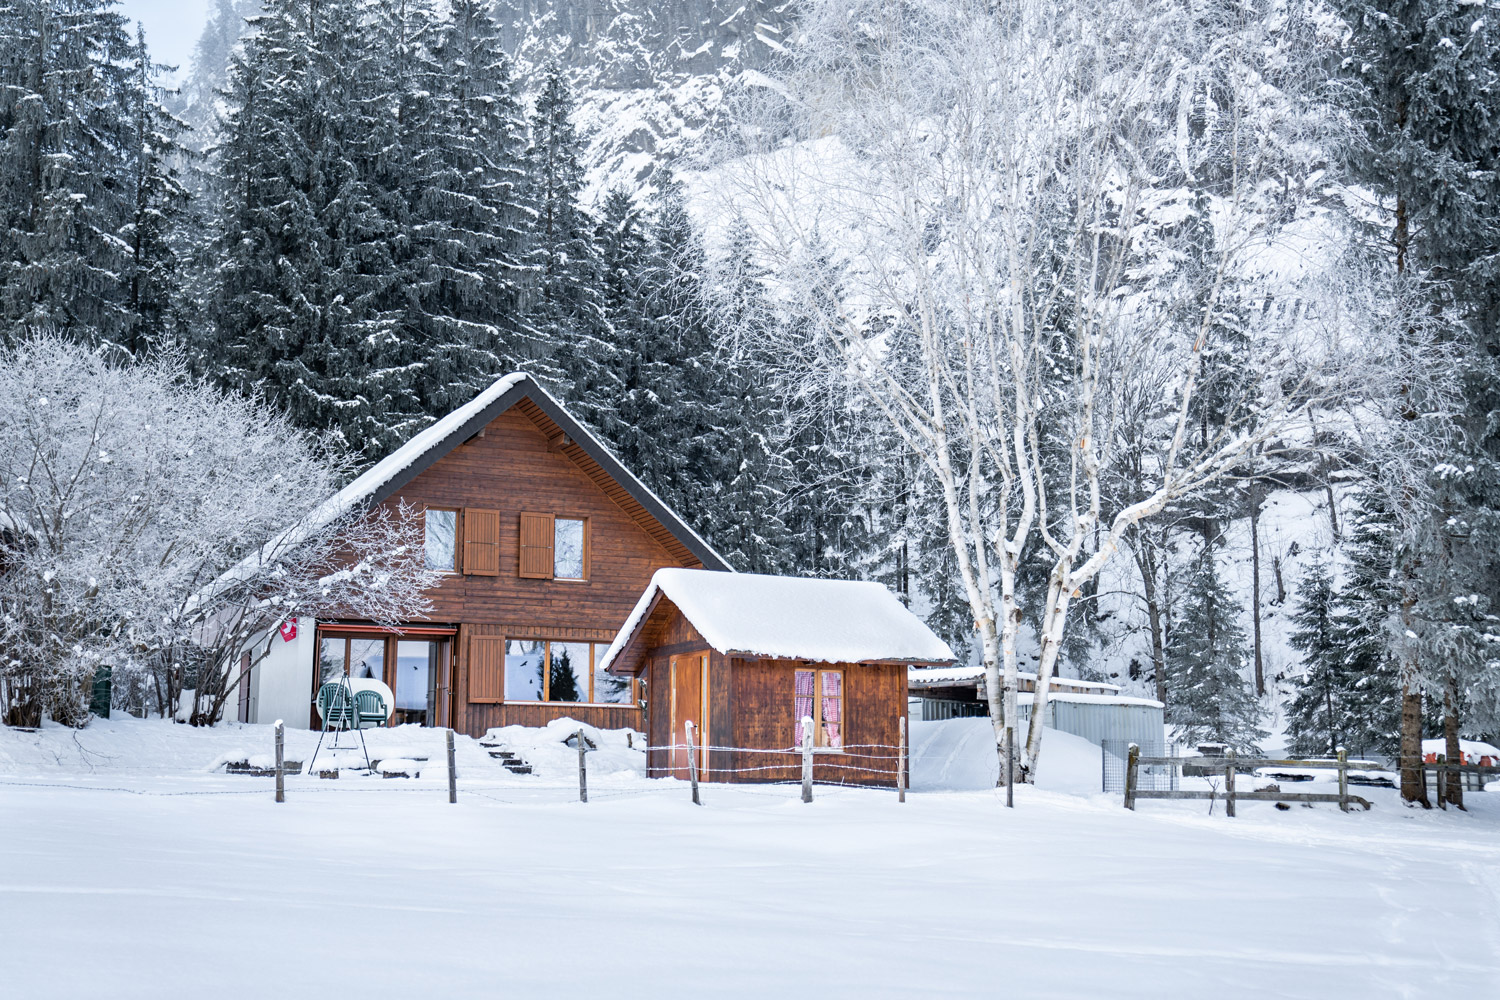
<point>689,704</point>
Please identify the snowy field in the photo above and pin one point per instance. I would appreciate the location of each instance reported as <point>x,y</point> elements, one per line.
<point>130,869</point>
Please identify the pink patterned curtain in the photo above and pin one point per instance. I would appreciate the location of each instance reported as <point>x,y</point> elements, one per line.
<point>833,709</point>
<point>803,703</point>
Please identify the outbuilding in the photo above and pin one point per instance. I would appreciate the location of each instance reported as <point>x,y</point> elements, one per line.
<point>744,657</point>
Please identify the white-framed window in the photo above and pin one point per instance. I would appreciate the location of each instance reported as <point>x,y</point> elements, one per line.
<point>569,538</point>
<point>442,539</point>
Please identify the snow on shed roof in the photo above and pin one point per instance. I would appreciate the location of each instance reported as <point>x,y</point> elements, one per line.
<point>829,621</point>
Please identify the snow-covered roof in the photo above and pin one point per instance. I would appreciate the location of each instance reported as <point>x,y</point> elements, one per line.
<point>397,468</point>
<point>930,676</point>
<point>829,621</point>
<point>1471,749</point>
<point>1027,697</point>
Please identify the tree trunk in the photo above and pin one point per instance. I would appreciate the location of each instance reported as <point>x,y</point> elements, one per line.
<point>1255,500</point>
<point>1146,561</point>
<point>1413,783</point>
<point>1453,783</point>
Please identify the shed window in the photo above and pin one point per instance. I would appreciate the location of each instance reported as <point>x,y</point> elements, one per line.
<point>442,537</point>
<point>819,695</point>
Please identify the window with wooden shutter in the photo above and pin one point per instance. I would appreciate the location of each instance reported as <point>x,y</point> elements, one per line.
<point>487,669</point>
<point>481,542</point>
<point>536,546</point>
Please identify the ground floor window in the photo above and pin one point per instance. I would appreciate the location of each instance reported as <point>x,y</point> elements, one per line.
<point>819,695</point>
<point>561,671</point>
<point>412,668</point>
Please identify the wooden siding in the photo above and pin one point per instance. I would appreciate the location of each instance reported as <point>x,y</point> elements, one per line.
<point>764,716</point>
<point>751,707</point>
<point>516,465</point>
<point>511,469</point>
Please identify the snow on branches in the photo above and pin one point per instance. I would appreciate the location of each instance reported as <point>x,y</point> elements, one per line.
<point>126,492</point>
<point>1038,237</point>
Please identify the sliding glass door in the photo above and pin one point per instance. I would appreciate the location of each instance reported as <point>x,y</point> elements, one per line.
<point>415,669</point>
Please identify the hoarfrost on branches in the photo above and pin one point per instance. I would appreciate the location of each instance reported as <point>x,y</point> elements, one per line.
<point>125,499</point>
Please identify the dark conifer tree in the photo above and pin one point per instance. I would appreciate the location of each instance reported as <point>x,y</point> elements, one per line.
<point>1316,717</point>
<point>303,310</point>
<point>1430,77</point>
<point>565,322</point>
<point>67,158</point>
<point>1206,658</point>
<point>160,247</point>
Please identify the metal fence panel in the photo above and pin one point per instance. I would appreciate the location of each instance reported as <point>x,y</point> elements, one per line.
<point>1156,778</point>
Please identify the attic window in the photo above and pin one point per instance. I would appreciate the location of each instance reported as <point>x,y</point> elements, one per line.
<point>442,537</point>
<point>567,548</point>
<point>554,547</point>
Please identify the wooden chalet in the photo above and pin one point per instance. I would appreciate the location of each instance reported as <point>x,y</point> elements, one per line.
<point>745,657</point>
<point>546,541</point>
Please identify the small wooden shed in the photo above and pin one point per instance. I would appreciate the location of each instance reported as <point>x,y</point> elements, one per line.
<point>745,657</point>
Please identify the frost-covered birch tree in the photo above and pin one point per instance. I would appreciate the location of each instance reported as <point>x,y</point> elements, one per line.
<point>152,524</point>
<point>1048,204</point>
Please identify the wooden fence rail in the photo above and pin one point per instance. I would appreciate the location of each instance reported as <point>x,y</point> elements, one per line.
<point>1231,765</point>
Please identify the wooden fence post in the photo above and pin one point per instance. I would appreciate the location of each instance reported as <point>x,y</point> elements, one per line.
<point>280,761</point>
<point>692,762</point>
<point>1132,759</point>
<point>901,763</point>
<point>807,755</point>
<point>452,772</point>
<point>1343,780</point>
<point>583,774</point>
<point>1229,782</point>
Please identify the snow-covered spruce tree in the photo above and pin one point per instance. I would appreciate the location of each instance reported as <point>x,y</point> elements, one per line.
<point>1369,603</point>
<point>464,137</point>
<point>76,93</point>
<point>618,390</point>
<point>303,306</point>
<point>1008,184</point>
<point>1428,79</point>
<point>745,505</point>
<point>159,526</point>
<point>1209,700</point>
<point>1316,722</point>
<point>160,246</point>
<point>563,312</point>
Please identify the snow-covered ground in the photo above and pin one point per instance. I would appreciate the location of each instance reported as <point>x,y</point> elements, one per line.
<point>128,868</point>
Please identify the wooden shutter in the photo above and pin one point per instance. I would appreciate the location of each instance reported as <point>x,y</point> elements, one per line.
<point>536,546</point>
<point>481,542</point>
<point>486,669</point>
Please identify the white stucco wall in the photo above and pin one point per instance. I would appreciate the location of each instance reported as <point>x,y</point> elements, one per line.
<point>281,684</point>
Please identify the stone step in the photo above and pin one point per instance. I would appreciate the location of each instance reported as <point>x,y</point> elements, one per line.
<point>503,754</point>
<point>517,767</point>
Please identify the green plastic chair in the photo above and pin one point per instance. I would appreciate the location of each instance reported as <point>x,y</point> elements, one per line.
<point>369,709</point>
<point>341,713</point>
<point>335,707</point>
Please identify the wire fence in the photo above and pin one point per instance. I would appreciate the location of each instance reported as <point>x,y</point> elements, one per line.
<point>1155,778</point>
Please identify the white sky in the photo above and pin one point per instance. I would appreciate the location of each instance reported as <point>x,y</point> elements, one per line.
<point>172,27</point>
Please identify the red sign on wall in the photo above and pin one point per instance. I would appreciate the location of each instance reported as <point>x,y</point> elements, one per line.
<point>289,630</point>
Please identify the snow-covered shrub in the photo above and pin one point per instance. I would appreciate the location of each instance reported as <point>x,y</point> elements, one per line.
<point>127,495</point>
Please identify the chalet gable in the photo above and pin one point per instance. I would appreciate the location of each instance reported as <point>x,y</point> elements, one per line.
<point>565,435</point>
